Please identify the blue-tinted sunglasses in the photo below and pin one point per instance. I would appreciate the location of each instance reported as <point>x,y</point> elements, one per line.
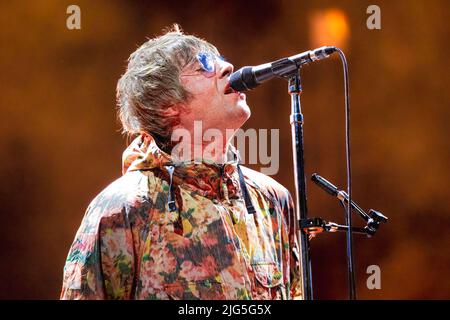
<point>207,62</point>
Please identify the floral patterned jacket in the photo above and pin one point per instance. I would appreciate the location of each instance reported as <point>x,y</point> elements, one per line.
<point>165,231</point>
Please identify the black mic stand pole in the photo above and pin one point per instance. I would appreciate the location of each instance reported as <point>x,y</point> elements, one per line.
<point>296,120</point>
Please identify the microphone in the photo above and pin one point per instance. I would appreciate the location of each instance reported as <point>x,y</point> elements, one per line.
<point>332,190</point>
<point>326,185</point>
<point>248,77</point>
<point>374,218</point>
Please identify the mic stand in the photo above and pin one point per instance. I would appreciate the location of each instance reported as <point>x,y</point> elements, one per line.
<point>296,120</point>
<point>304,226</point>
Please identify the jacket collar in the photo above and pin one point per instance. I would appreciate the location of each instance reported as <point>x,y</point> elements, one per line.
<point>203,177</point>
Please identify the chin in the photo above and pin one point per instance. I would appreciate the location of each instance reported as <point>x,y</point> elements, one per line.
<point>245,109</point>
<point>243,114</point>
<point>237,114</point>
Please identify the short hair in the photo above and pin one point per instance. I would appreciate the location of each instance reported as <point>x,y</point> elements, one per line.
<point>151,83</point>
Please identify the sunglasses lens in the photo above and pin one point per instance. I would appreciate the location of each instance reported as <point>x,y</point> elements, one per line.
<point>206,61</point>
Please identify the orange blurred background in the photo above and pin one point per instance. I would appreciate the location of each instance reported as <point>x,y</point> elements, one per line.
<point>60,139</point>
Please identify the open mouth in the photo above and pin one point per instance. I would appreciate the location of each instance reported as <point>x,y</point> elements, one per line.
<point>229,89</point>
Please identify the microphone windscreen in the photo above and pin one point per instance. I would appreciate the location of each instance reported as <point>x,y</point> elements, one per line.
<point>327,186</point>
<point>243,79</point>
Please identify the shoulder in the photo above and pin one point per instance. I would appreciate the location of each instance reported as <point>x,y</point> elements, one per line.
<point>269,186</point>
<point>129,189</point>
<point>122,203</point>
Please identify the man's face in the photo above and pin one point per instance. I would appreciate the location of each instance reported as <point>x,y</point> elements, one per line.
<point>213,101</point>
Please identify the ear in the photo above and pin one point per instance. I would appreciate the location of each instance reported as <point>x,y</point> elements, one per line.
<point>171,111</point>
<point>176,110</point>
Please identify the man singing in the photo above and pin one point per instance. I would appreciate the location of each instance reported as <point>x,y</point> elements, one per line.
<point>195,228</point>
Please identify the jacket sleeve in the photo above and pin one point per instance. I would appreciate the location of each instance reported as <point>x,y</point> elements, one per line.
<point>100,263</point>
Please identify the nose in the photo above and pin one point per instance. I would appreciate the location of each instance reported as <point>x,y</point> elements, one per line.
<point>225,69</point>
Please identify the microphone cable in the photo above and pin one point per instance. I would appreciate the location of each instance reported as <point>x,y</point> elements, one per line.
<point>348,216</point>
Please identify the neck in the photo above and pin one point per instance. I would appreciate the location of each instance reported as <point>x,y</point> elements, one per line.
<point>210,146</point>
<point>210,151</point>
